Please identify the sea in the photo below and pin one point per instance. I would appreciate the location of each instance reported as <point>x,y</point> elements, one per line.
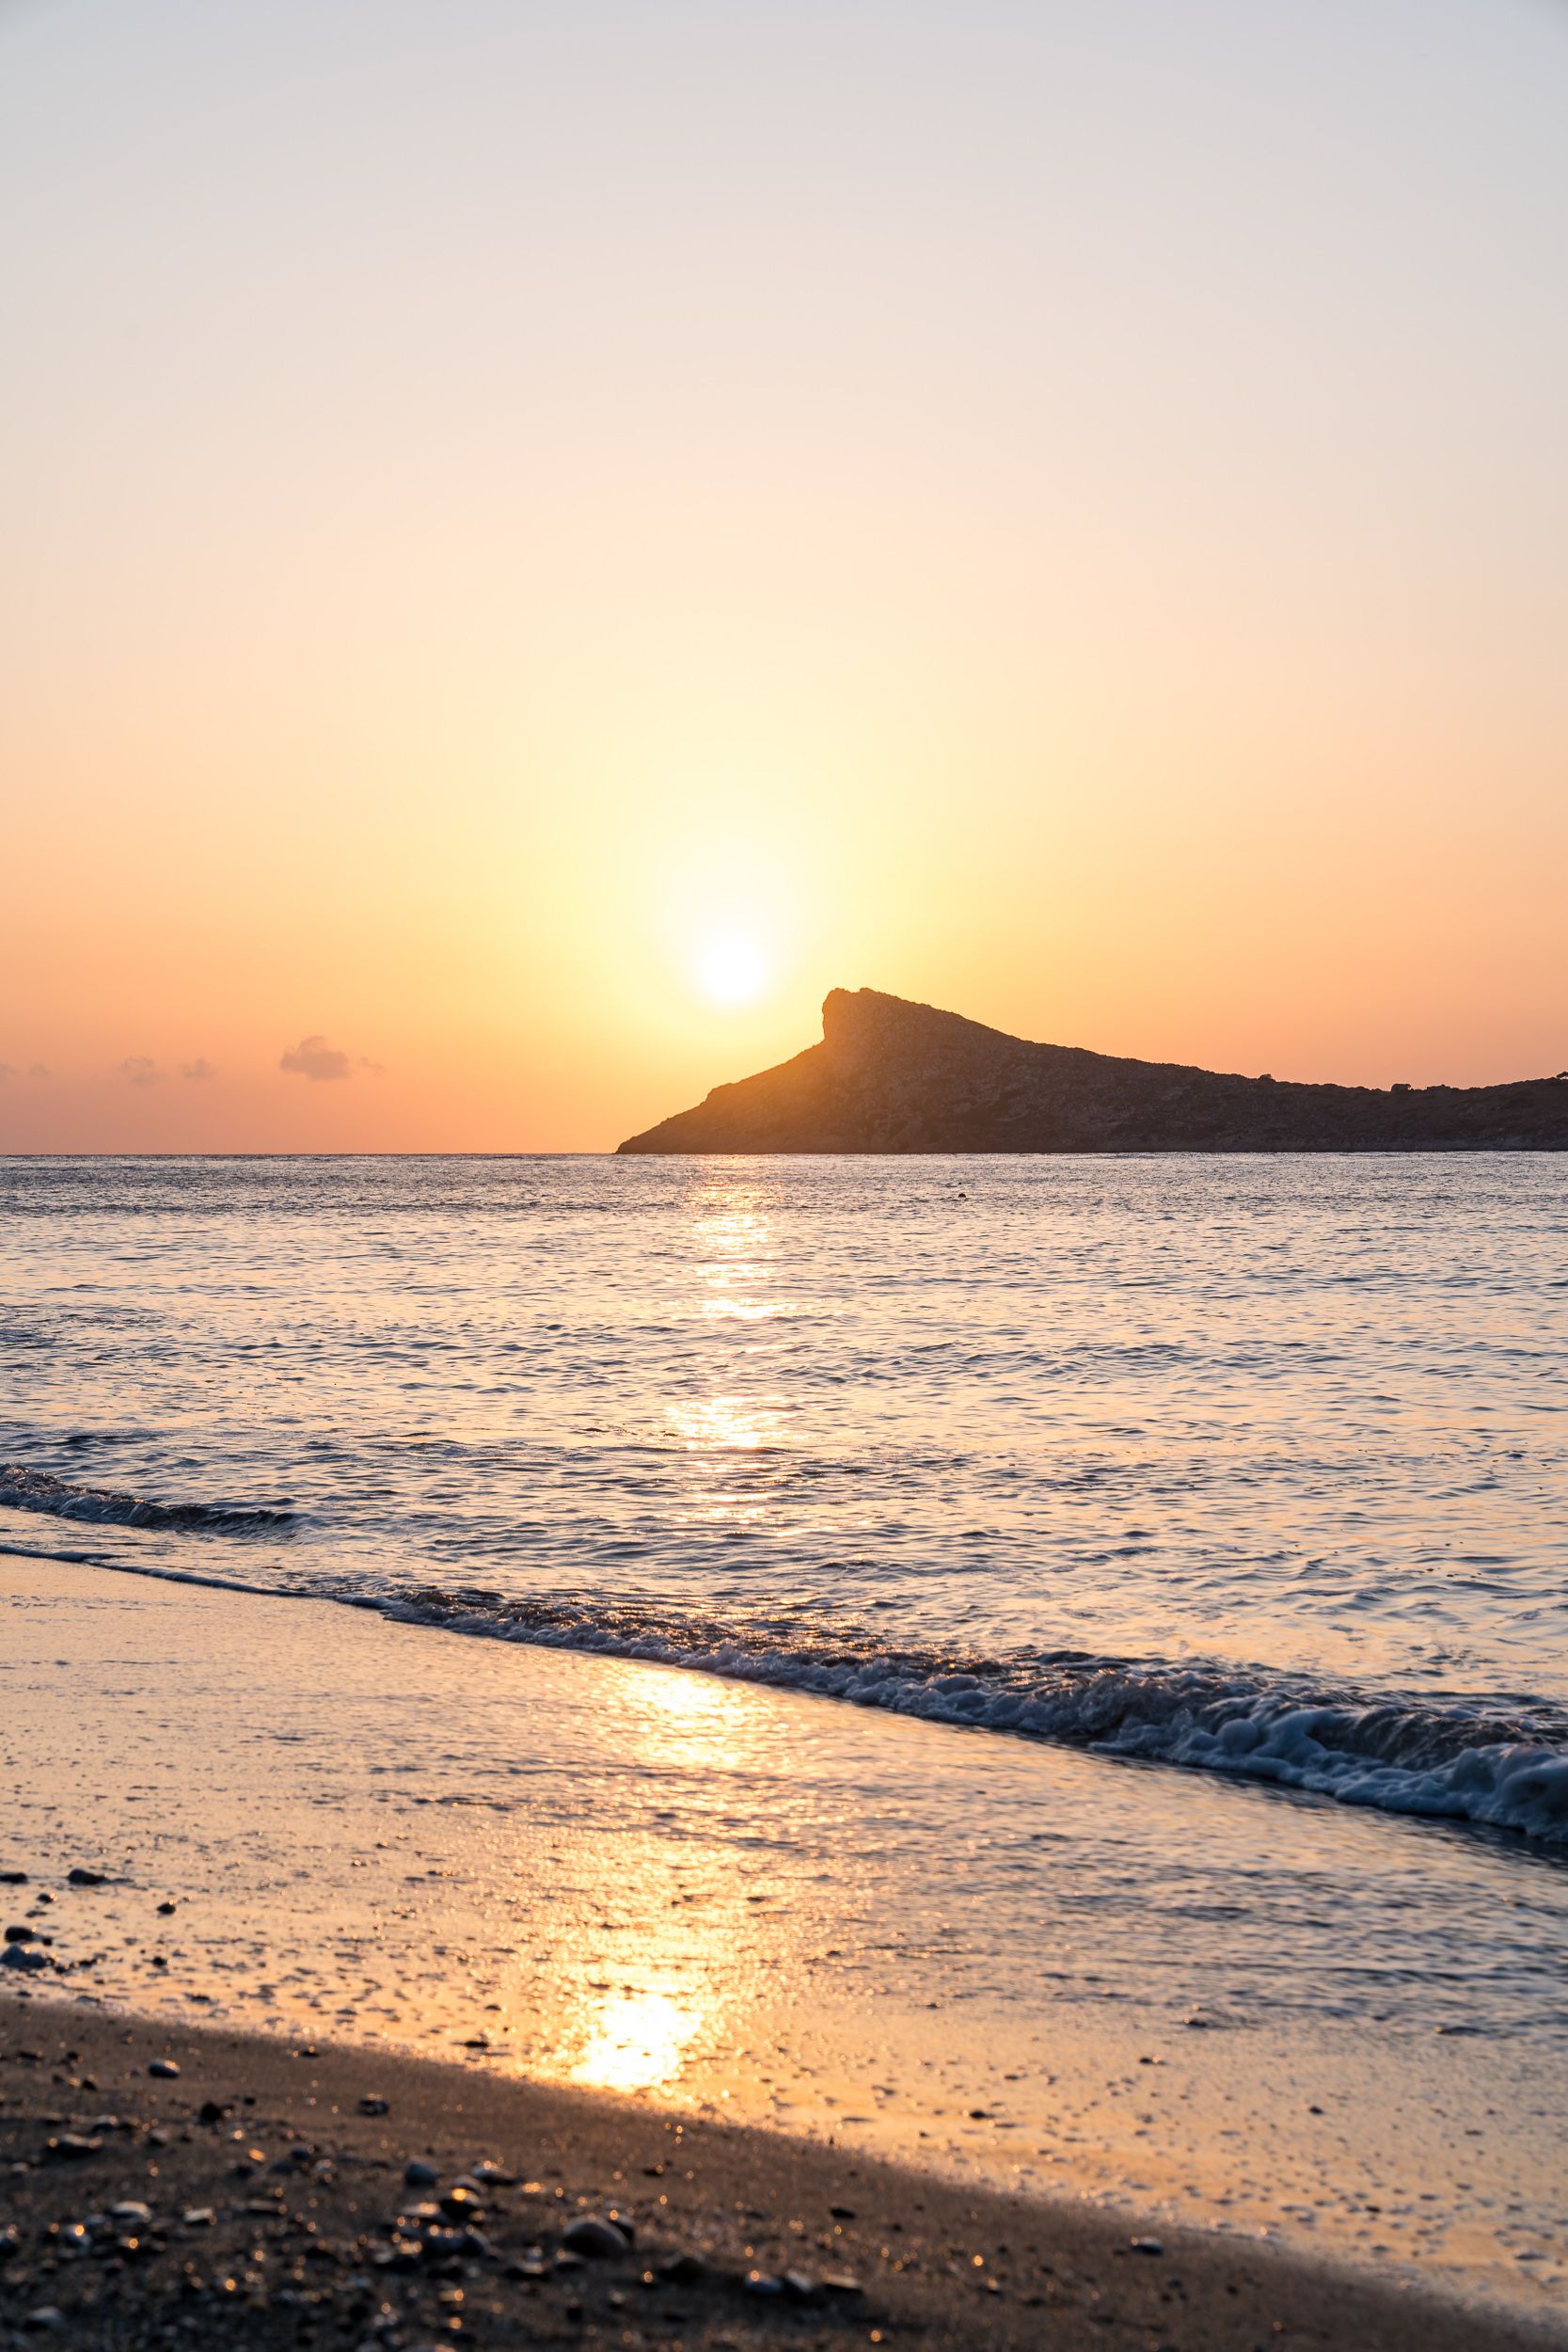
<point>1252,1468</point>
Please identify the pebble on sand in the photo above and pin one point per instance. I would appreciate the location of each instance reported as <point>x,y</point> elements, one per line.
<point>165,2069</point>
<point>595,2238</point>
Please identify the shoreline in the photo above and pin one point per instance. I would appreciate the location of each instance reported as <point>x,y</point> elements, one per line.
<point>600,1887</point>
<point>260,2184</point>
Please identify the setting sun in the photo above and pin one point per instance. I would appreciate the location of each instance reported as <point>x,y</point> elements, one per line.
<point>733,970</point>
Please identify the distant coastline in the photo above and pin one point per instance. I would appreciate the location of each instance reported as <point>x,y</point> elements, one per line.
<point>893,1076</point>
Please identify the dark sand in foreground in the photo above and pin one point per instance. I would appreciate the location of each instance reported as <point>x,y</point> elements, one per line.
<point>274,2221</point>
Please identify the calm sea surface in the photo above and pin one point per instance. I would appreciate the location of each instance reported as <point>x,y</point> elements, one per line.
<point>1254,1466</point>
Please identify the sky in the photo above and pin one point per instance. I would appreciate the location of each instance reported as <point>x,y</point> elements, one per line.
<point>539,539</point>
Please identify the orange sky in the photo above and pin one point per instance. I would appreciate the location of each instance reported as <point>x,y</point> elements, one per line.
<point>1060,513</point>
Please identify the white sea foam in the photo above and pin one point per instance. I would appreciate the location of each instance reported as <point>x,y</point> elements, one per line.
<point>1388,1751</point>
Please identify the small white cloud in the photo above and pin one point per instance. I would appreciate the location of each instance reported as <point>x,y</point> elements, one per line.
<point>140,1070</point>
<point>313,1057</point>
<point>37,1069</point>
<point>201,1068</point>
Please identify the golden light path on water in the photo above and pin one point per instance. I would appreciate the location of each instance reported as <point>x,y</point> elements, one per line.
<point>732,1266</point>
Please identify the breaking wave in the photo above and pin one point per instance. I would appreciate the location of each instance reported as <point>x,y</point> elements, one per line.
<point>1497,1763</point>
<point>1465,1760</point>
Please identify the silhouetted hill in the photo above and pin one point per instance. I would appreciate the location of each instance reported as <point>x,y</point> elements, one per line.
<point>893,1076</point>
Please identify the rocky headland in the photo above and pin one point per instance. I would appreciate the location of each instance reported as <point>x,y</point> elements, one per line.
<point>894,1076</point>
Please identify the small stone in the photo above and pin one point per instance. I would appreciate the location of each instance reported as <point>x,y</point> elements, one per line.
<point>210,2112</point>
<point>683,2270</point>
<point>839,2283</point>
<point>418,2174</point>
<point>23,1956</point>
<point>164,2070</point>
<point>13,1878</point>
<point>78,1876</point>
<point>166,1911</point>
<point>799,2286</point>
<point>595,2239</point>
<point>131,2210</point>
<point>73,2144</point>
<point>762,2282</point>
<point>373,2107</point>
<point>1148,2246</point>
<point>199,2217</point>
<point>22,1935</point>
<point>47,2316</point>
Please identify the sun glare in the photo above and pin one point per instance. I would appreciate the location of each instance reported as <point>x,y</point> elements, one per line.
<point>733,970</point>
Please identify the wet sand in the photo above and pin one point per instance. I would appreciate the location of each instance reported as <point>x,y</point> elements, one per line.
<point>569,1875</point>
<point>258,2196</point>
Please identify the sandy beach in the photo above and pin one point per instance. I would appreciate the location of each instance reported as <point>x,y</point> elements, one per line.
<point>506,1863</point>
<point>163,2185</point>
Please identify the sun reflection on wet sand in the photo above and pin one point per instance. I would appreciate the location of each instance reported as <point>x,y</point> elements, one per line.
<point>636,2042</point>
<point>660,1944</point>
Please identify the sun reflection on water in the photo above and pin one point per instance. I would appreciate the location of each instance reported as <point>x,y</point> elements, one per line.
<point>727,1424</point>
